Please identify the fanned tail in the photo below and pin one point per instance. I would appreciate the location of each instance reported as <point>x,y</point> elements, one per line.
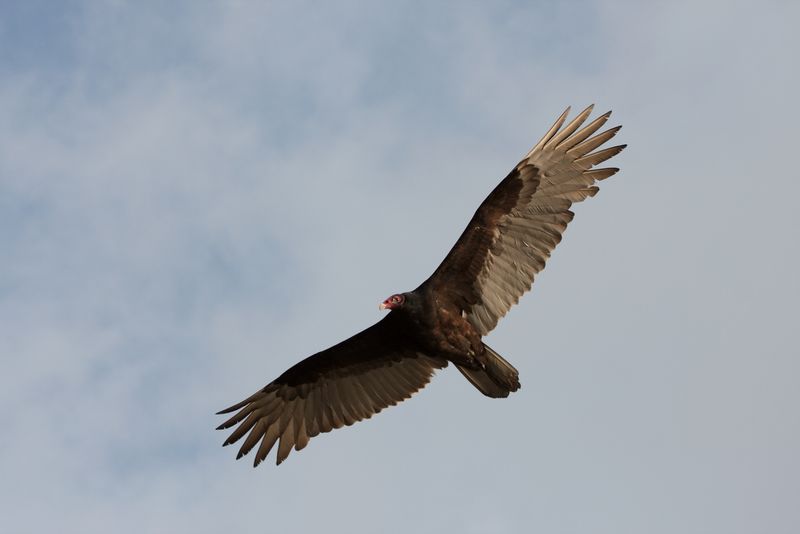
<point>497,379</point>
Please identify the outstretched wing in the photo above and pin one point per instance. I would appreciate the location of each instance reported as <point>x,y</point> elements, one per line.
<point>339,386</point>
<point>518,225</point>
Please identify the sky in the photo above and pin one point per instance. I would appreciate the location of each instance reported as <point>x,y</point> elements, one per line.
<point>196,195</point>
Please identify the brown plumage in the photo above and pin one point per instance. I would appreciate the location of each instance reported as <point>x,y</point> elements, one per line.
<point>492,264</point>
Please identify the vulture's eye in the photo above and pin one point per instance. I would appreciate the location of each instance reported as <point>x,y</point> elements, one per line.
<point>397,298</point>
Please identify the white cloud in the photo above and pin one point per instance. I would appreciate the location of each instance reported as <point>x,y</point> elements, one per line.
<point>195,198</point>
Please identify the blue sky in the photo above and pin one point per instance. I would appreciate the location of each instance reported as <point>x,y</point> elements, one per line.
<point>195,196</point>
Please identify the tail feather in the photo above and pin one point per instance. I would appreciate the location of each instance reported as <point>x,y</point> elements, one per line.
<point>497,379</point>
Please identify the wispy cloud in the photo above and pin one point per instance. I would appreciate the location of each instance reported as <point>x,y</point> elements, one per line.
<point>195,196</point>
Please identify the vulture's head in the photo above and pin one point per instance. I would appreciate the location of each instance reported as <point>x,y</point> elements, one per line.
<point>392,303</point>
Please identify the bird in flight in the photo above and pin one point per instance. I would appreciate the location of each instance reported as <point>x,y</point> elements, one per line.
<point>494,262</point>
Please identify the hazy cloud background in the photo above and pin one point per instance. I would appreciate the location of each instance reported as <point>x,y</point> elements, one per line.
<point>194,196</point>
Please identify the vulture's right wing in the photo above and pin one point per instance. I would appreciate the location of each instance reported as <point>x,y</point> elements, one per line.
<point>339,386</point>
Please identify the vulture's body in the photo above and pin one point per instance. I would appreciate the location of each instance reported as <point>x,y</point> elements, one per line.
<point>491,265</point>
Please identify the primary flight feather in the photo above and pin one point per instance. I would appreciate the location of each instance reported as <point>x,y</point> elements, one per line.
<point>492,264</point>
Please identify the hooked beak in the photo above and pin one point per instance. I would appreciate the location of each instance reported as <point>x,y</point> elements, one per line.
<point>383,306</point>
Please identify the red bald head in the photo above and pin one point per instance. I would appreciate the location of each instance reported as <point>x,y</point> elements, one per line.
<point>395,301</point>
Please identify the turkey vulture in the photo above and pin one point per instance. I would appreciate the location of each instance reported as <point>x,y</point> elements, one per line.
<point>492,264</point>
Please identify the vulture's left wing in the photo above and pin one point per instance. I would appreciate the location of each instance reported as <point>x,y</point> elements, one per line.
<point>518,225</point>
